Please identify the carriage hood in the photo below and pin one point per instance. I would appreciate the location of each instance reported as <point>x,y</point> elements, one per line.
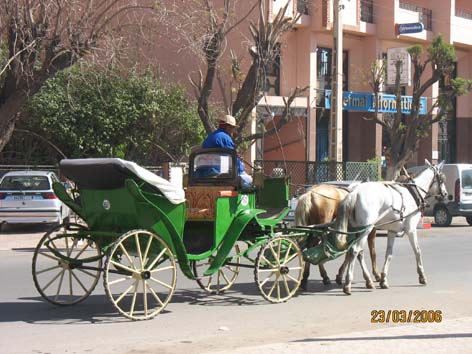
<point>109,173</point>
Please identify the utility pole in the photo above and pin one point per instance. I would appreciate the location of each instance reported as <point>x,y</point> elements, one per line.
<point>336,116</point>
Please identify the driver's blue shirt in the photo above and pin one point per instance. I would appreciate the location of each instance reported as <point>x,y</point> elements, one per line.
<point>221,139</point>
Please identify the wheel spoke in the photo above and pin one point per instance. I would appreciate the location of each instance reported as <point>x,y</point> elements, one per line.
<point>87,272</point>
<point>48,269</point>
<point>133,301</point>
<point>225,278</point>
<point>276,281</point>
<point>131,263</point>
<point>268,278</point>
<point>275,255</point>
<point>286,284</point>
<point>291,258</point>
<point>120,280</point>
<point>155,295</point>
<point>59,286</point>
<point>127,291</point>
<point>85,246</point>
<point>267,270</point>
<point>161,269</point>
<point>70,284</point>
<point>123,266</point>
<point>51,281</point>
<point>148,246</point>
<point>48,256</point>
<point>292,278</point>
<point>78,281</point>
<point>157,259</point>
<point>270,263</point>
<point>138,247</point>
<point>145,298</point>
<point>161,283</point>
<point>287,253</point>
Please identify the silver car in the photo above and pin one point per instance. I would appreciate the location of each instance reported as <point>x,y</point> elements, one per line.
<point>26,197</point>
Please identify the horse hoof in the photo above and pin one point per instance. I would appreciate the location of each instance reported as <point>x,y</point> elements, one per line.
<point>369,285</point>
<point>339,280</point>
<point>326,281</point>
<point>384,285</point>
<point>423,281</point>
<point>347,290</point>
<point>377,277</point>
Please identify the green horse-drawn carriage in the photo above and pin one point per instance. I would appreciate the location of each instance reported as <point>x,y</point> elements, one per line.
<point>138,227</point>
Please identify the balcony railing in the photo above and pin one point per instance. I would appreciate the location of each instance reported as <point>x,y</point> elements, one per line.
<point>464,13</point>
<point>425,15</point>
<point>302,7</point>
<point>367,11</point>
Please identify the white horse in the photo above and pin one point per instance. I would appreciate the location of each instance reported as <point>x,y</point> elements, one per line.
<point>395,207</point>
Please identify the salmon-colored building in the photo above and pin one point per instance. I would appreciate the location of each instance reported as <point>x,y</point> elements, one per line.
<point>369,31</point>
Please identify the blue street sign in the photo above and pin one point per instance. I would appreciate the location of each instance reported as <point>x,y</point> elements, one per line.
<point>404,28</point>
<point>361,101</point>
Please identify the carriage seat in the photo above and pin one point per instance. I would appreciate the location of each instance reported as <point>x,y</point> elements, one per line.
<point>201,200</point>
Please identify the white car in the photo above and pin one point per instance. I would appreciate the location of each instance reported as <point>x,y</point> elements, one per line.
<point>26,197</point>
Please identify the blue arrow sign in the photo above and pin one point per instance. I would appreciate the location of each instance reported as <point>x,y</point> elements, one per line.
<point>404,28</point>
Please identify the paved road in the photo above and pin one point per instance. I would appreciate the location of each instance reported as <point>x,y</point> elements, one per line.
<point>322,320</point>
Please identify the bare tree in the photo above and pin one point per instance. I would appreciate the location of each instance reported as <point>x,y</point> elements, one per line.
<point>204,28</point>
<point>404,133</point>
<point>41,37</point>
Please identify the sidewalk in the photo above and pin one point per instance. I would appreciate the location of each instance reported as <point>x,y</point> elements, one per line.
<point>449,337</point>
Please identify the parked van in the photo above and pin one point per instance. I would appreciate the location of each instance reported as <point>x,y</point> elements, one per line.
<point>459,200</point>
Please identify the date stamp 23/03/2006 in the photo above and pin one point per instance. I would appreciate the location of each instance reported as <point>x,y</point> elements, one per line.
<point>406,316</point>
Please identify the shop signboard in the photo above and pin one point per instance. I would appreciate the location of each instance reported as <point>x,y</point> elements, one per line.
<point>365,102</point>
<point>406,28</point>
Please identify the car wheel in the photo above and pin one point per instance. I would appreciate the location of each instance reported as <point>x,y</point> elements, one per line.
<point>442,216</point>
<point>469,220</point>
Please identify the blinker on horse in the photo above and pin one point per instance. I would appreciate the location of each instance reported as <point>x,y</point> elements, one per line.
<point>387,206</point>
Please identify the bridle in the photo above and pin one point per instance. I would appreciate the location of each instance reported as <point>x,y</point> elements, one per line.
<point>420,194</point>
<point>438,178</point>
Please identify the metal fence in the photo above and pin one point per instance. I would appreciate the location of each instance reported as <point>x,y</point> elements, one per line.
<point>307,173</point>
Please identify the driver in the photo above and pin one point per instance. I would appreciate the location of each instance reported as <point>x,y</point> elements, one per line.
<point>221,138</point>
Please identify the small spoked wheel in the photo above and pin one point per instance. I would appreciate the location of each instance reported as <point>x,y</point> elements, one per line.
<point>66,265</point>
<point>222,280</point>
<point>140,274</point>
<point>279,269</point>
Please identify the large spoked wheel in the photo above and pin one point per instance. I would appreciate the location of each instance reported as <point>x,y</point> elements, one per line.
<point>66,267</point>
<point>279,269</point>
<point>140,274</point>
<point>222,280</point>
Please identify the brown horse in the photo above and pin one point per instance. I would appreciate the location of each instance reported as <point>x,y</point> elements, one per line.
<point>318,206</point>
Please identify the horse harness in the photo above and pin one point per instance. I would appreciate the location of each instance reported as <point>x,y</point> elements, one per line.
<point>414,190</point>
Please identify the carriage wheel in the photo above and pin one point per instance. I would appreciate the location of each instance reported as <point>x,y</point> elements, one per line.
<point>140,274</point>
<point>57,265</point>
<point>279,269</point>
<point>222,280</point>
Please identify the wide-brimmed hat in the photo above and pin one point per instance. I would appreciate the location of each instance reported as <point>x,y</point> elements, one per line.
<point>230,120</point>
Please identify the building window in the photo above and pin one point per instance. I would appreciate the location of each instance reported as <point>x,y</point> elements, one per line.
<point>272,72</point>
<point>324,58</point>
<point>302,7</point>
<point>425,15</point>
<point>367,11</point>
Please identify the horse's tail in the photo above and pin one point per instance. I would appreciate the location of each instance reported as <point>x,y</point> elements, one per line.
<point>341,224</point>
